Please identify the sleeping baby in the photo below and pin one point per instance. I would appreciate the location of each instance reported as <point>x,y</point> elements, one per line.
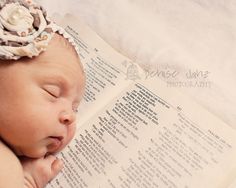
<point>41,85</point>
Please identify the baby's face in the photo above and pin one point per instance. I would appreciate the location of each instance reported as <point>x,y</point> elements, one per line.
<point>39,99</point>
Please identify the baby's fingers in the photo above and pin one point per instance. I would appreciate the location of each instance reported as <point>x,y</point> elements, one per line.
<point>41,170</point>
<point>56,166</point>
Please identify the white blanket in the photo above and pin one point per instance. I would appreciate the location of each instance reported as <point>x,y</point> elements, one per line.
<point>171,36</point>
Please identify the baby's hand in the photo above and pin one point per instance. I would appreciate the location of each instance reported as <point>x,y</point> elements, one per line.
<point>38,172</point>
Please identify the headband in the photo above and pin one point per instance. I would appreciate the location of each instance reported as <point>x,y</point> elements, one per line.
<point>25,29</point>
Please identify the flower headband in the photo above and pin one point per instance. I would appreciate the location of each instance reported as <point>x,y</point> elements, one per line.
<point>25,29</point>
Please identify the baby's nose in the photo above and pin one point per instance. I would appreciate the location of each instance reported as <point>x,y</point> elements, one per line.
<point>67,118</point>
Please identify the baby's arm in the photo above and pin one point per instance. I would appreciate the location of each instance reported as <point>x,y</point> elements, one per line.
<point>35,172</point>
<point>11,170</point>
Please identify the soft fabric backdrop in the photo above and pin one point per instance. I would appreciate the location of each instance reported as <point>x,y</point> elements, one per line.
<point>171,35</point>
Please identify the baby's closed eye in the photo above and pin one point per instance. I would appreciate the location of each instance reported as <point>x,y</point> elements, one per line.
<point>55,92</point>
<point>52,90</point>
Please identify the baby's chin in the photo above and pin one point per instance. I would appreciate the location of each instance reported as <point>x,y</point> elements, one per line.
<point>42,151</point>
<point>31,153</point>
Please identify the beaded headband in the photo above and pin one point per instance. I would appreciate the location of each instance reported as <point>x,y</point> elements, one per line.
<point>25,29</point>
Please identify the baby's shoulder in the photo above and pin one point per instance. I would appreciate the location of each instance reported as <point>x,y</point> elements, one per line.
<point>7,155</point>
<point>10,167</point>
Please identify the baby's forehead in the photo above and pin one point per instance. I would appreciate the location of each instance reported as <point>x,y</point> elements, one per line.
<point>63,42</point>
<point>60,55</point>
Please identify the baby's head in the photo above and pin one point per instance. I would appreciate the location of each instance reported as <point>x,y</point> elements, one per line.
<point>39,97</point>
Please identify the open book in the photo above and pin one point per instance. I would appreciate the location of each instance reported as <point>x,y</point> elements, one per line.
<point>134,132</point>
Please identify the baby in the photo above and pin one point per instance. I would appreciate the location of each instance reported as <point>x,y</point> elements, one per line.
<point>41,85</point>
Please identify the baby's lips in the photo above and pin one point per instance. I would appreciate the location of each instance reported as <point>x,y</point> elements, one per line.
<point>55,143</point>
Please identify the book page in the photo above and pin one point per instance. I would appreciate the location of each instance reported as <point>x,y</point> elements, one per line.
<point>150,136</point>
<point>106,69</point>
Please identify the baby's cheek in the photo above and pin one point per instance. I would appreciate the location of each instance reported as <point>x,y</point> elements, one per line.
<point>71,132</point>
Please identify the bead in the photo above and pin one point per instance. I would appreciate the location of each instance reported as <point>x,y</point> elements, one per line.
<point>19,10</point>
<point>23,34</point>
<point>45,37</point>
<point>15,16</point>
<point>29,1</point>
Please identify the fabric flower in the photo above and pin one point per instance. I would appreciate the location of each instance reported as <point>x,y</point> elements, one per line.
<point>25,29</point>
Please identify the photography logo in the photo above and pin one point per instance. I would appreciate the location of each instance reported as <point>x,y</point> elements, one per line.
<point>132,72</point>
